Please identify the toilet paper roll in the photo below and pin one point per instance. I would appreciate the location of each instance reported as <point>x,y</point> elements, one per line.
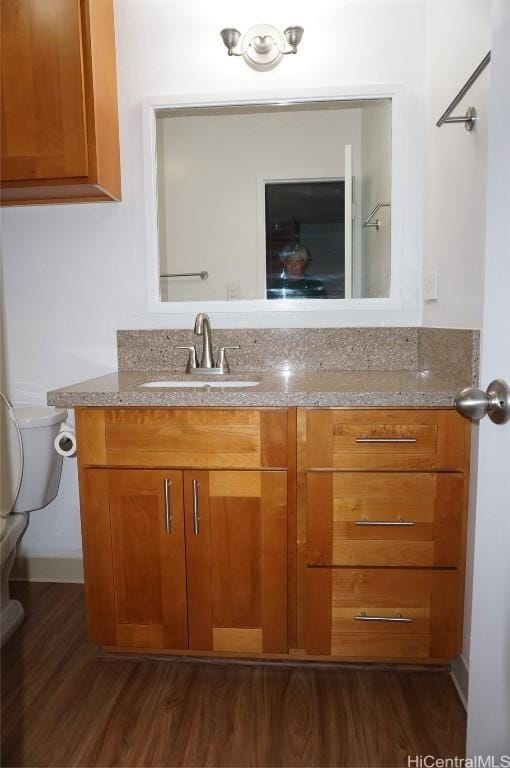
<point>65,442</point>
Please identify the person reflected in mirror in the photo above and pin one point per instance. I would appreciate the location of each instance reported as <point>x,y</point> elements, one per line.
<point>293,282</point>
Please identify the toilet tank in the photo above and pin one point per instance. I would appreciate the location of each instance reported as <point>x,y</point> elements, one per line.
<point>42,465</point>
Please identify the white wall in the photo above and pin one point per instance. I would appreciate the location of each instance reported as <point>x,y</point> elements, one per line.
<point>75,273</point>
<point>211,171</point>
<point>458,37</point>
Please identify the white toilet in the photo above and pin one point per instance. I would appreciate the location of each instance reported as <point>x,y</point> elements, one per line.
<point>30,478</point>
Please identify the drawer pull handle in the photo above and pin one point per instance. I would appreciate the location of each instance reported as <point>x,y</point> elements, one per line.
<point>397,523</point>
<point>167,484</point>
<point>196,514</point>
<point>395,619</point>
<point>386,440</point>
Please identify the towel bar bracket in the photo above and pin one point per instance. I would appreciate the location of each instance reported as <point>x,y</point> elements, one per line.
<point>370,221</point>
<point>469,119</point>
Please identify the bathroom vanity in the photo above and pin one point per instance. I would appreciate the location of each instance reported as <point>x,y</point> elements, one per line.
<point>315,516</point>
<point>311,532</point>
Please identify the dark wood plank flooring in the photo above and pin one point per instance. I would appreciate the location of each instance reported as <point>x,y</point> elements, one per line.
<point>64,705</point>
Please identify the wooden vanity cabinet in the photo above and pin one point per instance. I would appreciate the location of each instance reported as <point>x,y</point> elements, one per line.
<point>316,533</point>
<point>60,135</point>
<point>180,553</point>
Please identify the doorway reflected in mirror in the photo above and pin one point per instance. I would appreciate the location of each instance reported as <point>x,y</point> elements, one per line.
<point>305,244</point>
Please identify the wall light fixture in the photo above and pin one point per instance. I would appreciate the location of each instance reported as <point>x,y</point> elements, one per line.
<point>262,46</point>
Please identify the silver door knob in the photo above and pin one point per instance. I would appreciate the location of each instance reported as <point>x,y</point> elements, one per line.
<point>474,404</point>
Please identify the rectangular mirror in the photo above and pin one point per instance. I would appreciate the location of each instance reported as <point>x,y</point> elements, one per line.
<point>275,202</point>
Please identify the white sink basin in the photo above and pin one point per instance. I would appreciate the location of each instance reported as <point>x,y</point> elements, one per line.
<point>198,384</point>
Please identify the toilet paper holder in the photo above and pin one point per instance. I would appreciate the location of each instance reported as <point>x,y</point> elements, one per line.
<point>65,441</point>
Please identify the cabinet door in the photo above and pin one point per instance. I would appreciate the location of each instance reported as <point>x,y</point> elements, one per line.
<point>43,102</point>
<point>133,525</point>
<point>236,553</point>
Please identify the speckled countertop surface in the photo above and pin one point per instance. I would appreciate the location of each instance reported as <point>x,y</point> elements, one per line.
<point>281,388</point>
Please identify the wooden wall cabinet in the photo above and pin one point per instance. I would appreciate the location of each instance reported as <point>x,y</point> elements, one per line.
<point>60,135</point>
<point>310,534</point>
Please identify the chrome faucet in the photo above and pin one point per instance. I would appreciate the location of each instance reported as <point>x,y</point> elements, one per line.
<point>206,364</point>
<point>203,328</point>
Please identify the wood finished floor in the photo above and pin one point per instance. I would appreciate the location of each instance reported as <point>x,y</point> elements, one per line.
<point>63,706</point>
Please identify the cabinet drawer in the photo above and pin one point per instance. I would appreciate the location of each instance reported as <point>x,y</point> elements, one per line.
<point>385,439</point>
<point>384,518</point>
<point>382,613</point>
<point>205,438</point>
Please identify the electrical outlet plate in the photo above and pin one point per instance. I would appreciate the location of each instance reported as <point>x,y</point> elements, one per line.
<point>430,290</point>
<point>233,291</point>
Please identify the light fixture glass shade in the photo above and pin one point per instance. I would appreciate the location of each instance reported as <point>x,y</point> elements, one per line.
<point>230,37</point>
<point>293,35</point>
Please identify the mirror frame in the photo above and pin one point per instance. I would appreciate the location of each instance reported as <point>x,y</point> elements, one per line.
<point>395,309</point>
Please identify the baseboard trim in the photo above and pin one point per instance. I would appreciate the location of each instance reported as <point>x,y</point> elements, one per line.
<point>57,569</point>
<point>460,677</point>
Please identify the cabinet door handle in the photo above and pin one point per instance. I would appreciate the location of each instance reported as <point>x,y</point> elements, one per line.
<point>397,523</point>
<point>386,439</point>
<point>196,514</point>
<point>167,484</point>
<point>396,619</point>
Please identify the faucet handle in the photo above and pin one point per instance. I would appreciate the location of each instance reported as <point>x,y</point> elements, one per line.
<point>192,358</point>
<point>222,361</point>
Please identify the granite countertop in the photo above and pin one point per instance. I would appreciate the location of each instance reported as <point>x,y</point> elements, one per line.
<point>280,388</point>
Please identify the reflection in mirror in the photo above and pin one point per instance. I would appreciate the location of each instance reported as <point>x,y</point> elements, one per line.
<point>302,218</point>
<point>275,202</point>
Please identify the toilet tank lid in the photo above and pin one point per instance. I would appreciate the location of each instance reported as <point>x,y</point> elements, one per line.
<point>40,416</point>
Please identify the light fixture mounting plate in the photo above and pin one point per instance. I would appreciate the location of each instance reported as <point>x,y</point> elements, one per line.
<point>263,45</point>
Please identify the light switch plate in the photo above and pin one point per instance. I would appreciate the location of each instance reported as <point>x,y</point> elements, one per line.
<point>430,290</point>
